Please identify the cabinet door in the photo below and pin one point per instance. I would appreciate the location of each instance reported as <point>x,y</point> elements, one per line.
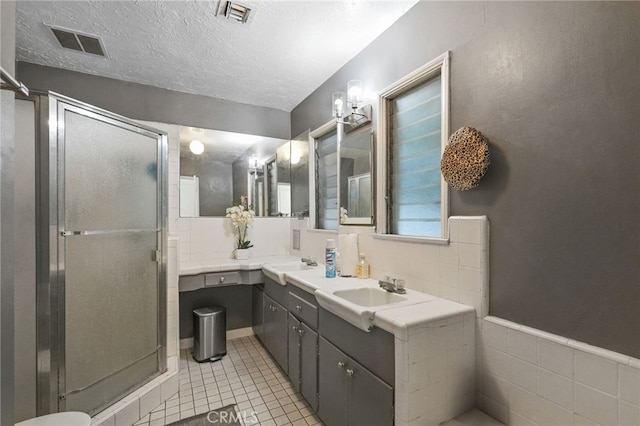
<point>332,384</point>
<point>257,308</point>
<point>294,352</point>
<point>275,331</point>
<point>370,399</point>
<point>309,365</point>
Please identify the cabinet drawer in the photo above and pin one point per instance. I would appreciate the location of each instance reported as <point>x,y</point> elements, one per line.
<point>191,282</point>
<point>304,310</point>
<point>221,278</point>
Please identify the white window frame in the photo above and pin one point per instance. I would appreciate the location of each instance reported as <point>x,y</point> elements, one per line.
<point>438,66</point>
<point>327,127</point>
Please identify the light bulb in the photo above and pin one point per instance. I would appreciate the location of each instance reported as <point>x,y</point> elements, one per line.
<point>338,104</point>
<point>196,147</point>
<point>354,91</point>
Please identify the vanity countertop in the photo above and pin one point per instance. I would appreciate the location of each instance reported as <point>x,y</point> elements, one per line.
<point>419,310</point>
<point>221,265</point>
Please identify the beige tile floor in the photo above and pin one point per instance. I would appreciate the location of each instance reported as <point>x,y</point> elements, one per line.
<point>248,377</point>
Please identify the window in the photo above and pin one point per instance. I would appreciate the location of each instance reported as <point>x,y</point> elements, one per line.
<point>414,130</point>
<point>326,176</point>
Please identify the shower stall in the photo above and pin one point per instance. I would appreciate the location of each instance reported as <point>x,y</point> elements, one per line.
<point>100,255</point>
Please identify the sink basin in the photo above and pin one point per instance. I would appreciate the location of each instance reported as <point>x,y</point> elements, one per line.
<point>276,272</point>
<point>370,296</point>
<point>359,305</point>
<point>290,267</point>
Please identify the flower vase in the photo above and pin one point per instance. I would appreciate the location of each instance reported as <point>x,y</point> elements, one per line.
<point>242,254</point>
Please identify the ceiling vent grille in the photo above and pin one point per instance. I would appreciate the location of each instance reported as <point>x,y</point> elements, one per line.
<point>87,43</point>
<point>235,11</point>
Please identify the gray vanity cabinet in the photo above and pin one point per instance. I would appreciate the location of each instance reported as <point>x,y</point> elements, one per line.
<point>275,331</point>
<point>303,360</point>
<point>303,344</point>
<point>350,394</point>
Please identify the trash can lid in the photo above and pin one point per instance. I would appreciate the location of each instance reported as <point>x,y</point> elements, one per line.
<point>212,310</point>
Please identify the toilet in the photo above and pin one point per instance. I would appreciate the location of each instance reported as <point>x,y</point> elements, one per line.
<point>68,418</point>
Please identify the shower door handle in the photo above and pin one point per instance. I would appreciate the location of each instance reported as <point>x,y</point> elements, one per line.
<point>109,232</point>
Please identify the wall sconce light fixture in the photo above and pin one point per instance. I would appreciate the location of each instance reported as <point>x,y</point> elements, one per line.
<point>358,115</point>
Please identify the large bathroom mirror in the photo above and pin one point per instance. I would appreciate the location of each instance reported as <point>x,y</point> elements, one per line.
<point>356,170</point>
<point>217,168</point>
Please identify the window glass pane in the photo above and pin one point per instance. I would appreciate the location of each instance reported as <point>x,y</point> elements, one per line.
<point>327,181</point>
<point>414,163</point>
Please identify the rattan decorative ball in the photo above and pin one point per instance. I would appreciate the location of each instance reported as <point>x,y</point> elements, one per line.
<point>465,159</point>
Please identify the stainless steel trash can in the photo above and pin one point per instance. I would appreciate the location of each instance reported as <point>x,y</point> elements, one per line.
<point>209,333</point>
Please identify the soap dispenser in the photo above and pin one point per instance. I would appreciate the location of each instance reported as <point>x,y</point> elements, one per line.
<point>362,270</point>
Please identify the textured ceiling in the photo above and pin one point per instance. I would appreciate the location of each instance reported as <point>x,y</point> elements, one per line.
<point>287,50</point>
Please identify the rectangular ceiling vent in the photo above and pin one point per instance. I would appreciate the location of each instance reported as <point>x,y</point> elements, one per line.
<point>235,11</point>
<point>74,40</point>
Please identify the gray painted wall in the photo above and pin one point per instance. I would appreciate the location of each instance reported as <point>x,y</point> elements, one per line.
<point>216,183</point>
<point>7,182</point>
<point>554,86</point>
<point>150,103</point>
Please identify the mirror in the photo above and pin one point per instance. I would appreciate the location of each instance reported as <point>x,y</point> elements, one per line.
<point>300,174</point>
<point>356,189</point>
<point>220,167</point>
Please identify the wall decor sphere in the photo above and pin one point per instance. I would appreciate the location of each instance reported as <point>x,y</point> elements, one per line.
<point>465,159</point>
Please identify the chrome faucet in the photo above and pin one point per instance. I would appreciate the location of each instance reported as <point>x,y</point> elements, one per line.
<point>309,261</point>
<point>392,285</point>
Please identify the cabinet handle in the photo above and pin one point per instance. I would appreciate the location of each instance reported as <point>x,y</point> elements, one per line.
<point>295,328</point>
<point>350,372</point>
<point>301,332</point>
<point>221,279</point>
<point>341,364</point>
<point>298,307</point>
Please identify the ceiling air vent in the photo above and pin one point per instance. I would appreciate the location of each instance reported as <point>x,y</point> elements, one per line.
<point>234,11</point>
<point>87,43</point>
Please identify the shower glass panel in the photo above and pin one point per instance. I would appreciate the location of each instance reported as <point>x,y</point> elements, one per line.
<point>110,176</point>
<point>109,286</point>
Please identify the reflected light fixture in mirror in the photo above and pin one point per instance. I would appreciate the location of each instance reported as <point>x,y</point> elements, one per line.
<point>196,147</point>
<point>296,156</point>
<point>253,162</point>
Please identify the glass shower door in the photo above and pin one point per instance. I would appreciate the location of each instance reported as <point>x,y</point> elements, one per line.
<point>110,245</point>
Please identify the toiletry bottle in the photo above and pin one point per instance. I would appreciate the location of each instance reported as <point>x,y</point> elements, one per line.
<point>330,259</point>
<point>362,270</point>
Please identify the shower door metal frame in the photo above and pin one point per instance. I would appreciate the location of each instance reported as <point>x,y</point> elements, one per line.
<point>50,235</point>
